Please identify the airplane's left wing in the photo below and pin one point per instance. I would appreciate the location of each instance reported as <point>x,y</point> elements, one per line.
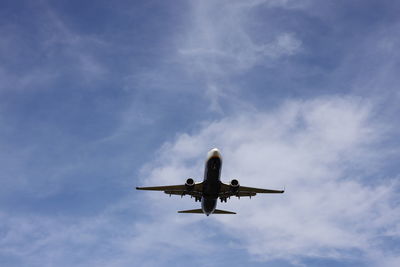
<point>181,190</point>
<point>164,188</point>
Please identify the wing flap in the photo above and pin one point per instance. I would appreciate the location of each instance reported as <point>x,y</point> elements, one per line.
<point>183,193</point>
<point>245,194</point>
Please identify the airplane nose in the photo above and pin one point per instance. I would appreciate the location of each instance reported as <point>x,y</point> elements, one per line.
<point>214,153</point>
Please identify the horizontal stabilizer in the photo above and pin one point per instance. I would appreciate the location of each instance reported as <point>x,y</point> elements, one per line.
<point>201,211</point>
<point>191,211</point>
<point>223,212</point>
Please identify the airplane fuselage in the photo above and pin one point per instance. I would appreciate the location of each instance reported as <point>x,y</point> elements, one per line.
<point>211,182</point>
<point>211,189</point>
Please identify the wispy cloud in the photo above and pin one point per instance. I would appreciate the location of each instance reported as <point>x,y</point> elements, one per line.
<point>56,51</point>
<point>111,238</point>
<point>219,43</point>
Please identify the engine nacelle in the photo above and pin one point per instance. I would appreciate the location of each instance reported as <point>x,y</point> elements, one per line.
<point>234,185</point>
<point>189,184</point>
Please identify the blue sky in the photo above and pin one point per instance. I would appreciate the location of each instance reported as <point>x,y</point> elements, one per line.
<point>97,98</point>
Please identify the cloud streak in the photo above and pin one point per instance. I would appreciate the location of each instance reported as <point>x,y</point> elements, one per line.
<point>216,46</point>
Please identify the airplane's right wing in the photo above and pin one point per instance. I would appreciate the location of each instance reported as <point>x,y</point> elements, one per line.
<point>259,190</point>
<point>244,191</point>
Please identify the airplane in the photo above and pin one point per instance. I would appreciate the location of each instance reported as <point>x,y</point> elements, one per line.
<point>211,188</point>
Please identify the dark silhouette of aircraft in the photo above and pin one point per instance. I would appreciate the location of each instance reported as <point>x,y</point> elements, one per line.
<point>211,188</point>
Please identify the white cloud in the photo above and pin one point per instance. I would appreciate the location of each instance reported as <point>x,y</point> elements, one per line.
<point>320,150</point>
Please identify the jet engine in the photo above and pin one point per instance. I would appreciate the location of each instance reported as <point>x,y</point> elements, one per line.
<point>189,184</point>
<point>234,185</point>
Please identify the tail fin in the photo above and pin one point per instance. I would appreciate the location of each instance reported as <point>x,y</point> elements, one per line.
<point>201,211</point>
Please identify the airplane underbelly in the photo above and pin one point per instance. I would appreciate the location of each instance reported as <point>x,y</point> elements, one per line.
<point>208,204</point>
<point>211,188</point>
<point>212,184</point>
